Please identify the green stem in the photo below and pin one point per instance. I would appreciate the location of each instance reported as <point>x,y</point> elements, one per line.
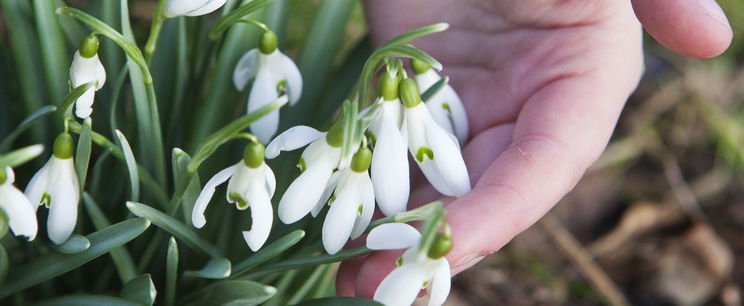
<point>157,24</point>
<point>314,261</point>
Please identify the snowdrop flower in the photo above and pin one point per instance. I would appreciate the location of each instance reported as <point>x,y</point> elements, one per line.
<point>318,161</point>
<point>435,150</point>
<point>445,106</point>
<point>416,269</point>
<point>252,183</point>
<point>56,186</point>
<point>176,8</point>
<point>275,74</point>
<point>352,205</point>
<point>19,210</point>
<point>86,67</point>
<point>389,159</point>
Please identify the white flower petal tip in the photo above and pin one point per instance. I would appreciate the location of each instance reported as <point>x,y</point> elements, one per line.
<point>292,139</point>
<point>175,8</point>
<point>245,70</point>
<point>440,284</point>
<point>262,216</point>
<point>392,236</point>
<point>200,206</point>
<point>293,78</point>
<point>18,209</point>
<point>445,106</point>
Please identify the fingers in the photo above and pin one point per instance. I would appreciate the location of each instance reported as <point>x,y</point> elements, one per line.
<point>697,28</point>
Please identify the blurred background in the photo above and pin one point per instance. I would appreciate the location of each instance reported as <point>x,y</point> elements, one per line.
<point>658,220</point>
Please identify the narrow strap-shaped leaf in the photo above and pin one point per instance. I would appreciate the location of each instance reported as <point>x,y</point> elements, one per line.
<point>216,268</point>
<point>82,154</point>
<point>131,164</point>
<point>231,292</point>
<point>175,227</point>
<point>140,289</point>
<point>72,96</point>
<point>416,33</point>
<point>75,244</point>
<point>20,156</point>
<point>171,272</point>
<point>180,161</point>
<point>312,261</point>
<point>87,300</point>
<point>434,89</point>
<point>268,252</point>
<point>4,263</point>
<point>24,125</point>
<point>3,223</point>
<point>121,257</point>
<point>308,283</point>
<point>237,14</point>
<point>54,264</point>
<point>340,301</point>
<point>53,51</point>
<point>71,28</point>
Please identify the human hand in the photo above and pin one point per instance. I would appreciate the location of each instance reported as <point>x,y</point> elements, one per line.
<point>543,84</point>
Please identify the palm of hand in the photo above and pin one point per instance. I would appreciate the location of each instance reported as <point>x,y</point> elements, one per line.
<point>543,86</point>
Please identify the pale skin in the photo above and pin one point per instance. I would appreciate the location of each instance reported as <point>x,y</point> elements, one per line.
<point>543,82</point>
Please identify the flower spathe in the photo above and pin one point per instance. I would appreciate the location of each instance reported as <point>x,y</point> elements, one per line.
<point>415,269</point>
<point>250,185</point>
<point>56,186</point>
<point>317,163</point>
<point>19,210</point>
<point>275,74</point>
<point>434,149</point>
<point>86,67</point>
<point>176,8</point>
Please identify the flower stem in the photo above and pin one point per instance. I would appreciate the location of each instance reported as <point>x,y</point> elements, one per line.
<point>157,24</point>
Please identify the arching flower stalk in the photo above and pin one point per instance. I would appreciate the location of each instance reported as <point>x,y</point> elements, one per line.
<point>435,150</point>
<point>252,184</point>
<point>176,8</point>
<point>445,106</point>
<point>389,159</point>
<point>17,207</point>
<point>352,204</point>
<point>275,74</point>
<point>86,67</point>
<point>417,269</point>
<point>56,186</point>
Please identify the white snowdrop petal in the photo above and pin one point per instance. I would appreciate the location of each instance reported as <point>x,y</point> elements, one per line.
<point>367,194</point>
<point>20,212</point>
<point>63,207</point>
<point>416,121</point>
<point>100,73</point>
<point>200,206</point>
<point>438,113</point>
<point>459,116</point>
<point>392,236</point>
<point>333,182</point>
<point>440,284</point>
<point>303,194</point>
<point>262,217</point>
<point>339,221</point>
<point>245,70</point>
<point>84,104</point>
<point>426,80</point>
<point>292,76</point>
<point>270,180</point>
<point>176,8</point>
<point>37,185</point>
<point>402,286</point>
<point>389,169</point>
<point>263,93</point>
<point>448,160</point>
<point>292,139</point>
<point>208,7</point>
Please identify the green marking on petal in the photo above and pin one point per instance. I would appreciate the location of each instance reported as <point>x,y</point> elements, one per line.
<point>236,198</point>
<point>447,109</point>
<point>426,284</point>
<point>424,152</point>
<point>281,87</point>
<point>360,208</point>
<point>46,199</point>
<point>301,164</point>
<point>399,262</point>
<point>332,199</point>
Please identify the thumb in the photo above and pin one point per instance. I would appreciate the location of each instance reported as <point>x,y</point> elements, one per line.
<point>696,28</point>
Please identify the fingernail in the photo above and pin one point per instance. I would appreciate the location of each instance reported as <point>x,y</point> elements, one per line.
<point>712,8</point>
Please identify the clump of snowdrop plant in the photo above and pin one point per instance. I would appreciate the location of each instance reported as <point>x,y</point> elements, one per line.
<point>104,185</point>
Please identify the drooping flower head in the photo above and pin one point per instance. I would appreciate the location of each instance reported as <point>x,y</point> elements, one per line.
<point>435,150</point>
<point>176,8</point>
<point>417,269</point>
<point>445,106</point>
<point>56,186</point>
<point>18,209</point>
<point>252,184</point>
<point>86,67</point>
<point>275,74</point>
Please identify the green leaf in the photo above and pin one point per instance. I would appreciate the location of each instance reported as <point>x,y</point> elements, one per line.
<point>224,134</point>
<point>140,289</point>
<point>340,301</point>
<point>313,261</point>
<point>4,263</point>
<point>231,292</point>
<point>74,245</point>
<point>184,180</point>
<point>131,164</point>
<point>25,124</point>
<point>171,272</point>
<point>52,265</point>
<point>309,282</point>
<point>72,96</point>
<point>175,227</point>
<point>216,268</point>
<point>416,33</point>
<point>87,300</point>
<point>4,225</point>
<point>434,89</point>
<point>268,252</point>
<point>20,156</point>
<point>82,154</point>
<point>121,257</point>
<point>53,50</point>
<point>239,13</point>
<point>432,223</point>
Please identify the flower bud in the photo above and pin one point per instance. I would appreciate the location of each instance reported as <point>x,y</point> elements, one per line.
<point>419,67</point>
<point>389,86</point>
<point>409,93</point>
<point>441,246</point>
<point>253,155</point>
<point>268,42</point>
<point>89,46</point>
<point>361,160</point>
<point>63,146</point>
